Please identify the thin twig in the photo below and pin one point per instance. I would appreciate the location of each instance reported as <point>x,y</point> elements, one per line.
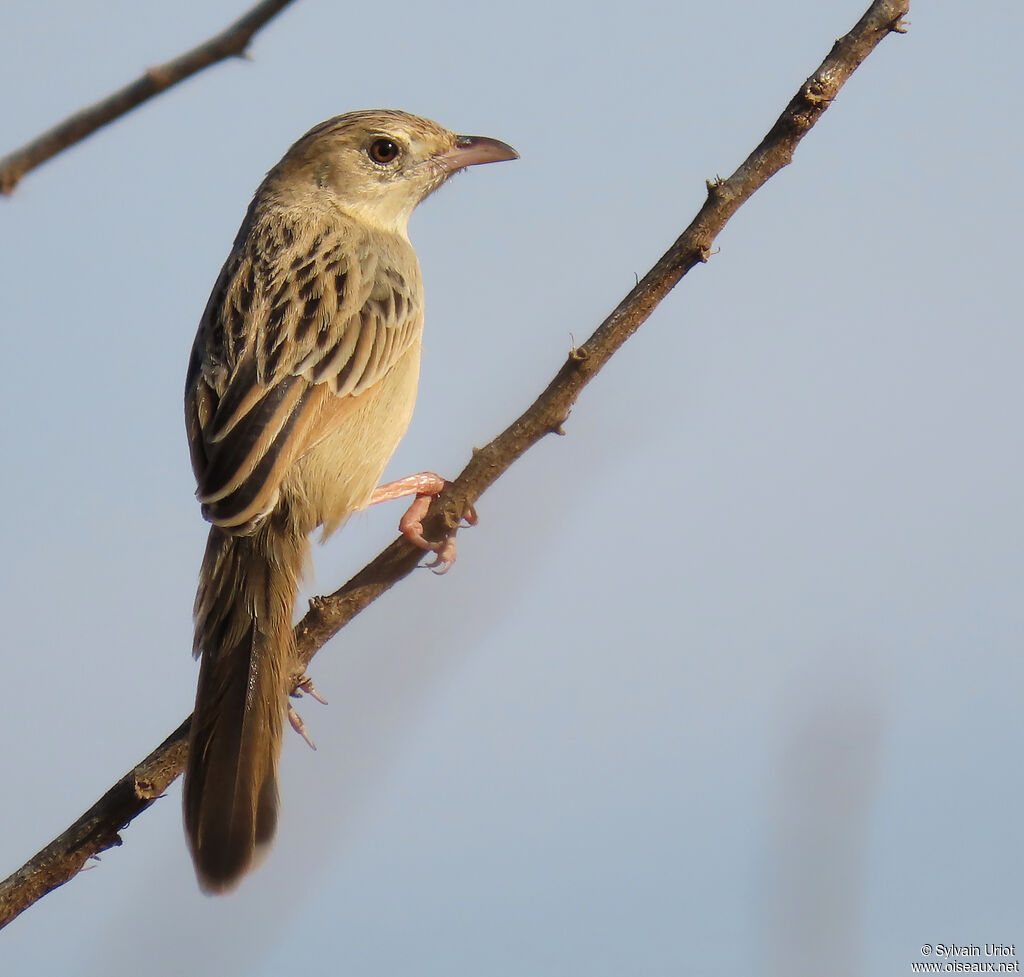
<point>229,43</point>
<point>98,829</point>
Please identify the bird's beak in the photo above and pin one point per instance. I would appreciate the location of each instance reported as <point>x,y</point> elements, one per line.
<point>470,150</point>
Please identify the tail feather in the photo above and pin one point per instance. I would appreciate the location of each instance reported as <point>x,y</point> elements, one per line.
<point>247,589</point>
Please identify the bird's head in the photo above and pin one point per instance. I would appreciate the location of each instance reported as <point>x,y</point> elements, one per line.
<point>378,165</point>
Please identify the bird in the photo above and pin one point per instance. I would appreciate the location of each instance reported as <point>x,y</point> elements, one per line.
<point>301,383</point>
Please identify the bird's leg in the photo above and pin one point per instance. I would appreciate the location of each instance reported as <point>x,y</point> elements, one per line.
<point>424,487</point>
<point>304,686</point>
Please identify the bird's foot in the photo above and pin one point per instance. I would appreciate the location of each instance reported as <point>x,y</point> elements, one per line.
<point>424,486</point>
<point>304,686</point>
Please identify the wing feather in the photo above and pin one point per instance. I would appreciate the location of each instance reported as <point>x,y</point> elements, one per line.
<point>304,318</point>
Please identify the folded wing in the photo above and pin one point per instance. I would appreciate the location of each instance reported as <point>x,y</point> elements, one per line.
<point>285,348</point>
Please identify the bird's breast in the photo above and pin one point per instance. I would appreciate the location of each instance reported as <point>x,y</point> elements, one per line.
<point>337,474</point>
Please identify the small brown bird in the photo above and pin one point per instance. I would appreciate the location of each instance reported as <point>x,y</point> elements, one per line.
<point>301,383</point>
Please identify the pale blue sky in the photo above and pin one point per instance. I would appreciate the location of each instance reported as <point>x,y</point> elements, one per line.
<point>728,679</point>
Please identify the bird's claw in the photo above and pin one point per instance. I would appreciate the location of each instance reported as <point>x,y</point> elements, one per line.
<point>299,726</point>
<point>304,686</point>
<point>411,524</point>
<point>444,555</point>
<point>411,527</point>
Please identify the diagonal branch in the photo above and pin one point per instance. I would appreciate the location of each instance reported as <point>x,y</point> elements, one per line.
<point>229,43</point>
<point>98,828</point>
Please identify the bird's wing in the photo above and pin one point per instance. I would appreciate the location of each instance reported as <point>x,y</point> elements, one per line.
<point>301,322</point>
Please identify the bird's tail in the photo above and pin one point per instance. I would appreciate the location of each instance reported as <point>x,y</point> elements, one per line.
<point>243,632</point>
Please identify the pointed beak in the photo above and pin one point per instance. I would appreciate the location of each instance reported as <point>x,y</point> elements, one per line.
<point>470,150</point>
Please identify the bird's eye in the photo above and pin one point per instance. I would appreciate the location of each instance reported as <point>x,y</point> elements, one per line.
<point>383,150</point>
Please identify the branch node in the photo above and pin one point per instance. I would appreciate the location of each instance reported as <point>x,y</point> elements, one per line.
<point>160,76</point>
<point>899,25</point>
<point>578,354</point>
<point>453,513</point>
<point>816,94</point>
<point>145,790</point>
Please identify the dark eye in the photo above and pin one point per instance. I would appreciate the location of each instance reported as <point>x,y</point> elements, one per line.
<point>383,150</point>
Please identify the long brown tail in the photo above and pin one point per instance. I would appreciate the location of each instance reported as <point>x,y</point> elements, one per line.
<point>243,615</point>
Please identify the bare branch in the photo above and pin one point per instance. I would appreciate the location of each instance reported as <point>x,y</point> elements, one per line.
<point>231,42</point>
<point>98,829</point>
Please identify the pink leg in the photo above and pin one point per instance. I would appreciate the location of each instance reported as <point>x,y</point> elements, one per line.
<point>425,483</point>
<point>304,685</point>
<point>424,486</point>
